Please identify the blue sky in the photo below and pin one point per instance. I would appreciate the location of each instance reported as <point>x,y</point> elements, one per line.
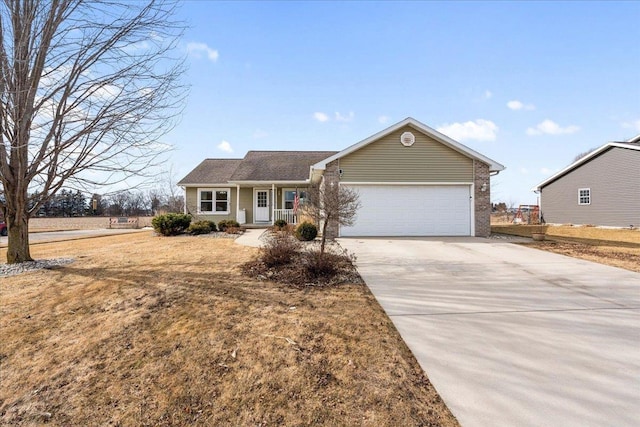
<point>529,84</point>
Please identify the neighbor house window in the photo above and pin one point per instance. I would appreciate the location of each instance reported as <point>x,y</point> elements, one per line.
<point>290,197</point>
<point>214,200</point>
<point>584,196</point>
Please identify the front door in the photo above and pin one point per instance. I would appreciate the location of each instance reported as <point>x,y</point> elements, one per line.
<point>261,198</point>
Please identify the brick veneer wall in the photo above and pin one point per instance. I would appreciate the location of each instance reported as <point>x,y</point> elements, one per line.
<point>482,199</point>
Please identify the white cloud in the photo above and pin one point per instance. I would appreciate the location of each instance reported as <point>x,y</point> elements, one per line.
<point>383,119</point>
<point>321,117</point>
<point>225,146</point>
<point>635,125</point>
<point>479,130</point>
<point>345,118</point>
<point>197,50</point>
<point>488,94</point>
<point>517,105</point>
<point>259,133</point>
<point>550,127</point>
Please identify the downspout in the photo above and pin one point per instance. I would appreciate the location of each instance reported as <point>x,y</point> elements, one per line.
<point>273,202</point>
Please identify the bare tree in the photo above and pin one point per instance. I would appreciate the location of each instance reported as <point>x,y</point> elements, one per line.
<point>87,88</point>
<point>331,205</point>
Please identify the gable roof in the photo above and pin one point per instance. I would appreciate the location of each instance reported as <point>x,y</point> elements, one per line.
<point>634,140</point>
<point>271,166</point>
<point>277,165</point>
<point>632,144</point>
<point>211,171</point>
<point>455,145</point>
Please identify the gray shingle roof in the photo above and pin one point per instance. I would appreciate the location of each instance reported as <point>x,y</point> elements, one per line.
<point>278,165</point>
<point>257,166</point>
<point>211,171</point>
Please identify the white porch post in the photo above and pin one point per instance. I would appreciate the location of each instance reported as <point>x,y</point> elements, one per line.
<point>273,202</point>
<point>238,202</point>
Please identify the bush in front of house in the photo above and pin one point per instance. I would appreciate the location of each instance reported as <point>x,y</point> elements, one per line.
<point>200,227</point>
<point>279,249</point>
<point>227,224</point>
<point>171,224</point>
<point>280,224</point>
<point>306,231</point>
<point>212,226</point>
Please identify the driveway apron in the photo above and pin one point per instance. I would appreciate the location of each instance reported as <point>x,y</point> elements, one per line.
<point>509,335</point>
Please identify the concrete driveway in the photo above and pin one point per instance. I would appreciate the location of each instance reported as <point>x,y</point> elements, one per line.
<point>512,336</point>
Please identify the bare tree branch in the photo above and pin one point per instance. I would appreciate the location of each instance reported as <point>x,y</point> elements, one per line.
<point>331,204</point>
<point>87,89</point>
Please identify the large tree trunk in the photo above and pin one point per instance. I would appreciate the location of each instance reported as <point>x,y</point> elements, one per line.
<point>18,227</point>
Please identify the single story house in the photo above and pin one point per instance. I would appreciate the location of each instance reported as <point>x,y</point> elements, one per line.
<point>601,188</point>
<point>411,179</point>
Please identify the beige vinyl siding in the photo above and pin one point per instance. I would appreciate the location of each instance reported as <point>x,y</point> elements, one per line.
<point>192,204</point>
<point>614,180</point>
<point>387,160</point>
<point>246,202</point>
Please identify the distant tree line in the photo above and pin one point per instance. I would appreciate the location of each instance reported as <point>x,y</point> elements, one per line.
<point>69,203</point>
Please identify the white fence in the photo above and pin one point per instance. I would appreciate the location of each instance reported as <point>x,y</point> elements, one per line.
<point>285,214</point>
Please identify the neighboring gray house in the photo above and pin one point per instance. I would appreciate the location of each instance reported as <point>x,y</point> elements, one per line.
<point>412,181</point>
<point>601,188</point>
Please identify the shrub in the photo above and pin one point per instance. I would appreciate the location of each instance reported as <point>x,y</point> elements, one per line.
<point>199,227</point>
<point>279,249</point>
<point>226,223</point>
<point>171,224</point>
<point>306,231</point>
<point>212,226</point>
<point>280,224</point>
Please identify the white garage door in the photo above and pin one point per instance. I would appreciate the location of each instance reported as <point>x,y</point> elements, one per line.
<point>412,210</point>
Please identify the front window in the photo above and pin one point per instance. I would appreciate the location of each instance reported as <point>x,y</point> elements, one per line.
<point>213,200</point>
<point>584,196</point>
<point>290,198</point>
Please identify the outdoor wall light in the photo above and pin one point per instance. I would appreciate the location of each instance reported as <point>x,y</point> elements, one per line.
<point>483,187</point>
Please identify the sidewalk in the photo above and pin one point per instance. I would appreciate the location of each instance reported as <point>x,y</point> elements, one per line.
<point>251,237</point>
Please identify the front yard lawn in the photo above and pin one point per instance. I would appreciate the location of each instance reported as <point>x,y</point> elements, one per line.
<point>610,246</point>
<point>146,330</point>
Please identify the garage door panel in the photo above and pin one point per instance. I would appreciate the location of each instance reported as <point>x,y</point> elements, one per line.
<point>417,210</point>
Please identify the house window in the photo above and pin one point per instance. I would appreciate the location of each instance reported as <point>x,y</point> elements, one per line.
<point>214,200</point>
<point>584,196</point>
<point>290,197</point>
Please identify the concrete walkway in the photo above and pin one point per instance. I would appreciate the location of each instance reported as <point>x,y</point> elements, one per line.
<point>512,336</point>
<point>251,237</point>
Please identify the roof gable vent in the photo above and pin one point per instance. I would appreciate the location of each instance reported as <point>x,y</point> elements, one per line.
<point>407,139</point>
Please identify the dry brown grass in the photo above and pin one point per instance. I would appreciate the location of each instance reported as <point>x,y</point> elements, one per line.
<point>145,330</point>
<point>615,247</point>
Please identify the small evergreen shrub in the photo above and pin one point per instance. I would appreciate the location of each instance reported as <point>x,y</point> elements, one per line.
<point>199,227</point>
<point>222,225</point>
<point>212,226</point>
<point>171,224</point>
<point>280,224</point>
<point>306,231</point>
